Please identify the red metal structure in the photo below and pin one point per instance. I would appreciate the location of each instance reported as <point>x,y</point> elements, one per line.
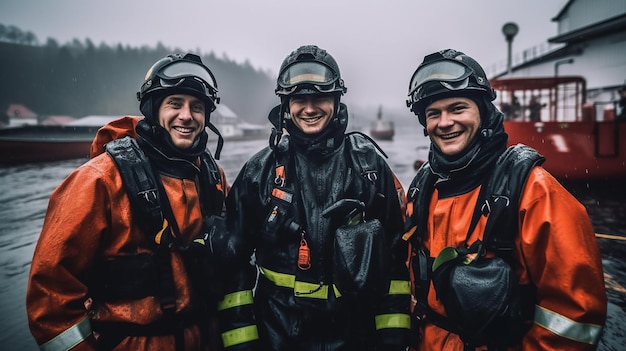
<point>552,115</point>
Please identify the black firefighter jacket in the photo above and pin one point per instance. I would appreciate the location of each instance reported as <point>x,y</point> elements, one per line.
<point>277,204</point>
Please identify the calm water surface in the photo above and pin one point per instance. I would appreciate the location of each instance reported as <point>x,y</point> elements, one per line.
<point>25,189</point>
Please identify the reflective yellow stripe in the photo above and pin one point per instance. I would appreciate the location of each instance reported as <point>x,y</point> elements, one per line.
<point>400,287</point>
<point>236,299</point>
<point>300,289</point>
<point>336,290</point>
<point>240,335</point>
<point>69,338</point>
<point>314,291</point>
<point>567,328</point>
<point>393,320</point>
<point>280,279</point>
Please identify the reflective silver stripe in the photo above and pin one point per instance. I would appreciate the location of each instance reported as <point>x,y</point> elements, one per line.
<point>71,337</point>
<point>567,328</point>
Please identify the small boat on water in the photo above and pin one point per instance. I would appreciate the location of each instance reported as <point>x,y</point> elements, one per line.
<point>381,129</point>
<point>42,143</point>
<point>552,115</point>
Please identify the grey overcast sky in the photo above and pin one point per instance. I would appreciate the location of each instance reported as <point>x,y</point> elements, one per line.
<point>377,43</point>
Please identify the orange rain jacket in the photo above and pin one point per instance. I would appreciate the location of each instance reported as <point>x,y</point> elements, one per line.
<point>88,220</point>
<point>556,251</point>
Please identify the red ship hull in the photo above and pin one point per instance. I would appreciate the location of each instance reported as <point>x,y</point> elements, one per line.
<point>575,150</point>
<point>45,143</point>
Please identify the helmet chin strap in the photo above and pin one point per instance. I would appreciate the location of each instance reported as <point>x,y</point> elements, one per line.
<point>220,139</point>
<point>277,132</point>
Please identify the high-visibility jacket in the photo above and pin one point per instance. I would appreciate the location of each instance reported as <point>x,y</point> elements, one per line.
<point>300,306</point>
<point>89,222</point>
<point>556,252</point>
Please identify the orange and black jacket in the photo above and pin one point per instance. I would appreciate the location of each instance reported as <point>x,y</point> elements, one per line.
<point>89,225</point>
<point>556,252</point>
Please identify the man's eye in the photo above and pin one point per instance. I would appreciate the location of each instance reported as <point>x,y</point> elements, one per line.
<point>198,108</point>
<point>460,108</point>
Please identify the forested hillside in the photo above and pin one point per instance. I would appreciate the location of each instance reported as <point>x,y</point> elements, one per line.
<point>79,79</point>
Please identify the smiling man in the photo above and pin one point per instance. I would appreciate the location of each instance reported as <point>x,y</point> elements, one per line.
<point>311,113</point>
<point>320,211</point>
<point>120,262</point>
<point>501,254</point>
<point>183,117</point>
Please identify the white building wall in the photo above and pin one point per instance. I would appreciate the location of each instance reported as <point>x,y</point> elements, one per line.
<point>582,13</point>
<point>602,63</point>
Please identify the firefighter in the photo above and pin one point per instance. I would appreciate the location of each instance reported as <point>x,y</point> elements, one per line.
<point>122,260</point>
<point>319,212</point>
<point>536,283</point>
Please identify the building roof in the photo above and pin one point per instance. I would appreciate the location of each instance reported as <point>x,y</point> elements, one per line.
<point>93,120</point>
<point>20,111</point>
<point>57,120</point>
<point>610,25</point>
<point>225,112</point>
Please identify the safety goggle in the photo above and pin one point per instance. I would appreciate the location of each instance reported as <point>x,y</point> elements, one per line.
<point>177,72</point>
<point>441,71</point>
<point>308,73</point>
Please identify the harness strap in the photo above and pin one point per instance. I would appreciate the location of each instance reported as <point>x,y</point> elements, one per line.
<point>139,182</point>
<point>498,199</point>
<point>153,212</point>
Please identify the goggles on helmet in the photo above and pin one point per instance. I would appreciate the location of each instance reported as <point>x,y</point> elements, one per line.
<point>447,72</point>
<point>310,74</point>
<point>178,72</point>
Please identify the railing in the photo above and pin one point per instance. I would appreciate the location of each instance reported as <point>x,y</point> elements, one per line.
<point>520,58</point>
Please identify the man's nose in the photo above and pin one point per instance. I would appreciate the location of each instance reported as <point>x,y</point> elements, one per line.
<point>185,111</point>
<point>309,105</point>
<point>445,119</point>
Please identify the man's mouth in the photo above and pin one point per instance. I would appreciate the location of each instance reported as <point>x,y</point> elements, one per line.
<point>450,135</point>
<point>183,129</point>
<point>311,119</point>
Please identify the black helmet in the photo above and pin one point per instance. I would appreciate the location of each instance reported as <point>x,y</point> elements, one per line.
<point>178,73</point>
<point>446,73</point>
<point>309,70</point>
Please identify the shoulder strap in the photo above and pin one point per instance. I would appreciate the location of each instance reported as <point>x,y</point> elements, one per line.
<point>143,192</point>
<point>500,196</point>
<point>420,190</point>
<point>363,153</point>
<point>139,181</point>
<point>211,185</point>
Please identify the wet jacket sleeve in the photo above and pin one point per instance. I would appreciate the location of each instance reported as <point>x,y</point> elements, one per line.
<point>560,256</point>
<point>75,223</point>
<point>237,320</point>
<point>392,314</point>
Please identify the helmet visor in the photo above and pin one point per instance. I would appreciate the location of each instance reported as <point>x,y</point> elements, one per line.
<point>176,72</point>
<point>308,73</point>
<point>441,71</point>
